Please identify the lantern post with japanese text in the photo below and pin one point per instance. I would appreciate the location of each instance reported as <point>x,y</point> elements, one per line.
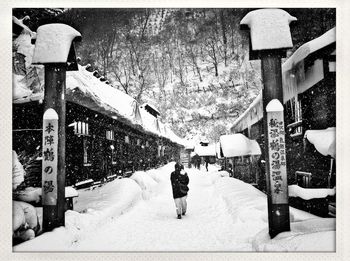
<point>55,50</point>
<point>270,37</point>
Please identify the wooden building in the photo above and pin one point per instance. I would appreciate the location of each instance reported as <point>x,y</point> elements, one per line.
<point>309,90</point>
<point>107,132</point>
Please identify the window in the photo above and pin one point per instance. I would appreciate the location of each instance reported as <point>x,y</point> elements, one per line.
<point>303,179</point>
<point>127,140</point>
<point>295,128</point>
<point>138,142</point>
<point>114,153</point>
<point>80,128</point>
<point>332,66</point>
<point>159,150</point>
<point>86,151</point>
<point>110,135</point>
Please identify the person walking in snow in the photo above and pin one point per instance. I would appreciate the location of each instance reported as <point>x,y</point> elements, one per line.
<point>206,162</point>
<point>179,182</point>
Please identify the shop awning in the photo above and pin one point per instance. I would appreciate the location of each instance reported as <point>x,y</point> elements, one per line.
<point>236,145</point>
<point>323,140</point>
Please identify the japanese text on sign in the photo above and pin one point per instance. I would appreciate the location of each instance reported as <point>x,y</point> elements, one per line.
<point>277,157</point>
<point>50,153</point>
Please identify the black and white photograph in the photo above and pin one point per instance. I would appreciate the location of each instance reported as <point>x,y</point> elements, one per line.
<point>165,129</point>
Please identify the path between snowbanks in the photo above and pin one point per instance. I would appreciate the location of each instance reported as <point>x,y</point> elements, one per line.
<point>138,214</point>
<point>152,225</point>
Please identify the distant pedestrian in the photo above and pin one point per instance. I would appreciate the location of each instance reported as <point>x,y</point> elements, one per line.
<point>206,162</point>
<point>199,162</point>
<point>179,182</point>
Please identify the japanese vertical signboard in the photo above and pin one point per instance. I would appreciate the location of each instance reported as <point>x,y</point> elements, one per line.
<point>50,155</point>
<point>277,152</point>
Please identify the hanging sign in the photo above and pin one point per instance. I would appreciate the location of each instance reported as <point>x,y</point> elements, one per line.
<point>277,152</point>
<point>50,155</point>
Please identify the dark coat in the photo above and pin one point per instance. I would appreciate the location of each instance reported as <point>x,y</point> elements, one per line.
<point>177,178</point>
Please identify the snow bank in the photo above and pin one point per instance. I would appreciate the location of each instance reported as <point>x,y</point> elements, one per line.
<point>163,173</point>
<point>316,235</point>
<point>306,194</point>
<point>216,203</point>
<point>146,183</point>
<point>213,174</point>
<point>99,206</point>
<point>92,208</point>
<point>248,205</point>
<point>240,196</point>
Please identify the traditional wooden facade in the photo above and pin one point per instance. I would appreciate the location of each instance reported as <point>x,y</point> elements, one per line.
<point>107,132</point>
<point>309,88</point>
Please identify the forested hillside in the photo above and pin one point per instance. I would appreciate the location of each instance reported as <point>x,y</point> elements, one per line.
<point>192,64</point>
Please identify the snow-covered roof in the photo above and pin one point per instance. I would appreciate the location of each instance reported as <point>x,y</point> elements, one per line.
<point>254,112</point>
<point>235,145</point>
<point>149,122</point>
<point>189,146</point>
<point>251,115</point>
<point>53,43</point>
<point>151,106</point>
<point>323,140</point>
<point>269,29</point>
<point>83,88</point>
<point>173,137</point>
<point>310,47</point>
<point>204,140</point>
<point>87,90</point>
<point>205,150</point>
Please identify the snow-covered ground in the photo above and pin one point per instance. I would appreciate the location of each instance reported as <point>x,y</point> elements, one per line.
<point>138,214</point>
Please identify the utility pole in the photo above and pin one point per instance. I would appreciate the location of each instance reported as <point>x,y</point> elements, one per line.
<point>55,50</point>
<point>269,38</point>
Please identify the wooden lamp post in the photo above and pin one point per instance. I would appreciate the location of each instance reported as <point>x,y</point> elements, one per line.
<point>269,38</point>
<point>55,50</point>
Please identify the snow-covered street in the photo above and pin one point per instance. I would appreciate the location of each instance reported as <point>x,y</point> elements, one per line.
<point>138,214</point>
<point>152,225</point>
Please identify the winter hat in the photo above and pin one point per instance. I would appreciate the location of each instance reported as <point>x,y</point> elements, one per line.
<point>179,166</point>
